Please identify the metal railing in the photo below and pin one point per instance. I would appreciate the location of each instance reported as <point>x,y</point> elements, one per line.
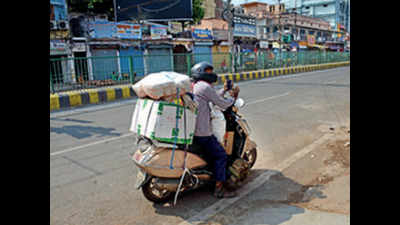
<point>90,72</point>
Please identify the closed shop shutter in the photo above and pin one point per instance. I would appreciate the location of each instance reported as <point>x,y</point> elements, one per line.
<point>159,59</point>
<point>202,53</point>
<point>104,68</point>
<point>137,55</point>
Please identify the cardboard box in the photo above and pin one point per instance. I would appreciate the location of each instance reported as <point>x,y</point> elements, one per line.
<point>157,120</point>
<point>228,142</point>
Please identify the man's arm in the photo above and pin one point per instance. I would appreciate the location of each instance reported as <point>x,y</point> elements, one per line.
<point>217,99</point>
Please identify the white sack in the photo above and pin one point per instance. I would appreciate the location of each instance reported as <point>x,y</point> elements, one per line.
<point>218,123</point>
<point>162,85</point>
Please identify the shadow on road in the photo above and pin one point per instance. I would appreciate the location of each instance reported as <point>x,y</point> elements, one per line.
<point>80,132</point>
<point>278,195</point>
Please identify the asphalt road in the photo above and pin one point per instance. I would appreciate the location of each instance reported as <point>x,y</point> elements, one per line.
<point>92,177</point>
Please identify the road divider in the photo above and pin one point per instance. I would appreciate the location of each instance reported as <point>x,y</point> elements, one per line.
<point>102,95</point>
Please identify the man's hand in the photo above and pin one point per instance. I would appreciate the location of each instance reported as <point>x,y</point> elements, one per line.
<point>228,86</point>
<point>235,92</point>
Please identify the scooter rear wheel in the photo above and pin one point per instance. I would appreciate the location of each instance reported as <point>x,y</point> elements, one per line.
<point>151,193</point>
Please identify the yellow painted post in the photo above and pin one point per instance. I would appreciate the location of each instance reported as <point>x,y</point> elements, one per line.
<point>110,94</point>
<point>54,102</point>
<point>230,76</point>
<point>75,99</point>
<point>126,92</point>
<point>93,97</point>
<point>223,79</point>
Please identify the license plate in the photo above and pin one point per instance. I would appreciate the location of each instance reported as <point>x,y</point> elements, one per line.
<point>140,178</point>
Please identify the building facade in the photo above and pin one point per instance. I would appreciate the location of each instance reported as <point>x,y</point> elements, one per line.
<point>334,11</point>
<point>279,28</point>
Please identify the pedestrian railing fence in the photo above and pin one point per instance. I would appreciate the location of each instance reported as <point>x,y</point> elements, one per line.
<point>90,72</point>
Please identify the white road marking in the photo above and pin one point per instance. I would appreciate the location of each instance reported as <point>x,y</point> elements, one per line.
<point>92,108</point>
<point>288,76</point>
<point>90,144</point>
<point>130,134</point>
<point>261,179</point>
<point>133,101</point>
<point>269,98</point>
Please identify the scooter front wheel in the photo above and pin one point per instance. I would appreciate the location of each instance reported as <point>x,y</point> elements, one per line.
<point>151,193</point>
<point>251,156</point>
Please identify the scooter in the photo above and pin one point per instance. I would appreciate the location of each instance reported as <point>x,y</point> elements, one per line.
<point>165,171</point>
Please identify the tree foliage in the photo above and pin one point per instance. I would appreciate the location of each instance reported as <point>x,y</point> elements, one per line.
<point>92,6</point>
<point>198,11</point>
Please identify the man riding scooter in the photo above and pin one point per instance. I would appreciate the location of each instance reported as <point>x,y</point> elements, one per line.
<point>203,77</point>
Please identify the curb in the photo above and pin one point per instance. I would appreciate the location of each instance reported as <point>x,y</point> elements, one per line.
<point>258,74</point>
<point>90,96</point>
<point>102,95</point>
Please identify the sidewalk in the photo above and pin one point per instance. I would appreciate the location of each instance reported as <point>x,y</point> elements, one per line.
<point>312,190</point>
<point>70,99</point>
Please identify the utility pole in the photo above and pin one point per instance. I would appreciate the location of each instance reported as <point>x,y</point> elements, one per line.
<point>227,15</point>
<point>115,10</point>
<point>280,33</point>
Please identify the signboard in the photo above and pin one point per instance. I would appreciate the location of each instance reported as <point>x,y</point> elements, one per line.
<point>58,47</point>
<point>102,29</point>
<point>128,31</point>
<point>244,30</point>
<point>202,34</point>
<point>310,39</point>
<point>105,29</point>
<point>154,10</point>
<point>175,27</point>
<point>244,20</point>
<point>159,32</point>
<point>220,34</point>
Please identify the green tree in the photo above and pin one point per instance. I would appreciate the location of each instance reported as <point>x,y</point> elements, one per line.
<point>198,11</point>
<point>92,6</point>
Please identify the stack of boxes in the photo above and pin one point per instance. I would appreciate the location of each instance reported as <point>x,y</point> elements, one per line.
<point>164,121</point>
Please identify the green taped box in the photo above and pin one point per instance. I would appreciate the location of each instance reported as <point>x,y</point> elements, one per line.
<point>157,120</point>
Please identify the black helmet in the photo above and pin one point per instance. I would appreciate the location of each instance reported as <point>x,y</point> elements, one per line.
<point>199,72</point>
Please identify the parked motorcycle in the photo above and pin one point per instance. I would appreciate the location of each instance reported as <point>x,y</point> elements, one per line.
<point>165,171</point>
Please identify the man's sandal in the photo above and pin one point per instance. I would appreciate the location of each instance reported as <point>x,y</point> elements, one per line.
<point>223,193</point>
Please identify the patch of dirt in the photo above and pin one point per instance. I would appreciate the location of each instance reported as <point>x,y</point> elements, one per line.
<point>333,177</point>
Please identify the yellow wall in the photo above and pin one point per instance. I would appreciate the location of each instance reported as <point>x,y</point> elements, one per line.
<point>219,54</point>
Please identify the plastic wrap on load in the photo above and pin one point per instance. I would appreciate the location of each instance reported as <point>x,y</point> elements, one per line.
<point>162,85</point>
